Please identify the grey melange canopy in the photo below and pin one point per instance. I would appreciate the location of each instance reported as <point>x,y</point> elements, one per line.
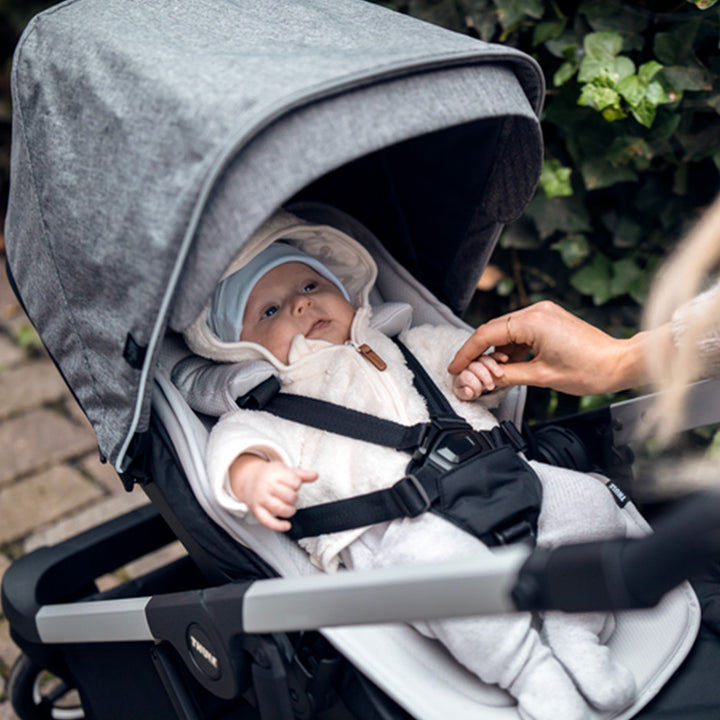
<point>152,137</point>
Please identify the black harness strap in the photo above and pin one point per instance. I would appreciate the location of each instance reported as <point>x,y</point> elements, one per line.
<point>438,404</point>
<point>330,417</point>
<point>437,447</point>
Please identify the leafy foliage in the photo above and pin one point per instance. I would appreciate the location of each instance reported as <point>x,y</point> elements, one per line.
<point>632,131</point>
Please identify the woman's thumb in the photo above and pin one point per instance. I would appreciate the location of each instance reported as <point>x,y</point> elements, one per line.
<point>519,373</point>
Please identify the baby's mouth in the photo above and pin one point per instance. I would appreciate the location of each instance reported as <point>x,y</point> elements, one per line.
<point>317,329</point>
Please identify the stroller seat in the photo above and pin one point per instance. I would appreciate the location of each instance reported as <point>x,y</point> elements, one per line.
<point>431,684</point>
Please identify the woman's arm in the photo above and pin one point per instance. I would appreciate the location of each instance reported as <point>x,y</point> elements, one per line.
<point>549,347</point>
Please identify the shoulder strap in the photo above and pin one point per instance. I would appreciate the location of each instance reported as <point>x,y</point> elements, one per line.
<point>340,420</point>
<point>438,404</point>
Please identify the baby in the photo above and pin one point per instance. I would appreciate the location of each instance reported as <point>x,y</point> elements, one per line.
<point>297,298</point>
<point>289,309</point>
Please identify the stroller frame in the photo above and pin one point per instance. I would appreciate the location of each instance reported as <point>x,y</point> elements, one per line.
<point>228,637</point>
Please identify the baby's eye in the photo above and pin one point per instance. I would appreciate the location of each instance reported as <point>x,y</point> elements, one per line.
<point>269,312</point>
<point>310,287</point>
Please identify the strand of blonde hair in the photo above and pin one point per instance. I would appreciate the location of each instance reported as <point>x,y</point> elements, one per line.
<point>680,280</point>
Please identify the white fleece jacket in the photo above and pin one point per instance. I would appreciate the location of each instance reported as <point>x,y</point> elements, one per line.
<point>340,374</point>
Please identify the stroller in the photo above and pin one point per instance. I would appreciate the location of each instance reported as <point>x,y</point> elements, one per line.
<point>151,139</point>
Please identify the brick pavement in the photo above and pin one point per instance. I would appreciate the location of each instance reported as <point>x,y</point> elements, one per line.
<point>52,484</point>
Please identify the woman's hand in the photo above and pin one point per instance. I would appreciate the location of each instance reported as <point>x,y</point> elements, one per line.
<point>547,346</point>
<point>269,488</point>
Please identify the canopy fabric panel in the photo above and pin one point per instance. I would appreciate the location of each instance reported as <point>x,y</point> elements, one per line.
<point>141,127</point>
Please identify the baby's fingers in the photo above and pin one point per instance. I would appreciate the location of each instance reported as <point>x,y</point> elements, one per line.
<point>491,363</point>
<point>482,373</point>
<point>306,475</point>
<point>500,357</point>
<point>466,386</point>
<point>284,493</point>
<point>270,521</point>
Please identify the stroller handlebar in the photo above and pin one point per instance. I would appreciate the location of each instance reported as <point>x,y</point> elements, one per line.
<point>625,573</point>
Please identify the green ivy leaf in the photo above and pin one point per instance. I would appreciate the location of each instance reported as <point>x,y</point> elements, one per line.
<point>563,214</point>
<point>625,273</point>
<point>644,112</point>
<point>676,47</point>
<point>621,67</point>
<point>594,279</point>
<point>564,73</point>
<point>648,70</point>
<point>681,77</point>
<point>484,20</point>
<point>614,113</point>
<point>599,98</point>
<point>520,235</point>
<point>601,173</point>
<point>511,12</point>
<point>627,233</point>
<point>594,9</point>
<point>632,89</point>
<point>555,179</point>
<point>630,150</point>
<point>573,249</point>
<point>600,50</point>
<point>548,30</point>
<point>641,286</point>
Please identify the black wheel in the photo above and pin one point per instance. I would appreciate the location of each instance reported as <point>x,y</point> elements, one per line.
<point>36,694</point>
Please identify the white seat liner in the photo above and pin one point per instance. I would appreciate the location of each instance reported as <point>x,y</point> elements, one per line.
<point>418,673</point>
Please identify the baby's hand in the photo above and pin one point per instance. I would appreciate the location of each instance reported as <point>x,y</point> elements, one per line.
<point>479,377</point>
<point>268,488</point>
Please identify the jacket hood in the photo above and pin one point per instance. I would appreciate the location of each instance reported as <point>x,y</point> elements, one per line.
<point>346,258</point>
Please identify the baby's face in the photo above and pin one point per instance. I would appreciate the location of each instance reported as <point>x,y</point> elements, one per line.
<point>293,299</point>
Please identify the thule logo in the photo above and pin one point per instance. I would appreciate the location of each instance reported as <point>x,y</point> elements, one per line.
<point>620,497</point>
<point>195,644</point>
<point>199,645</point>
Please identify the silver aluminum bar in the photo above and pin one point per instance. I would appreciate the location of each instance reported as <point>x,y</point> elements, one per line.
<point>630,417</point>
<point>463,587</point>
<point>103,621</point>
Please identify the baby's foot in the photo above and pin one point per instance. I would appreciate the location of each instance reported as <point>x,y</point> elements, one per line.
<point>544,691</point>
<point>575,642</point>
<point>604,683</point>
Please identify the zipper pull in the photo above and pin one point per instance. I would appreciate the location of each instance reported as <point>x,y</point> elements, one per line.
<point>370,355</point>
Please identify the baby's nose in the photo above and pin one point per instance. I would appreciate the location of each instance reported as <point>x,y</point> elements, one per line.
<point>300,303</point>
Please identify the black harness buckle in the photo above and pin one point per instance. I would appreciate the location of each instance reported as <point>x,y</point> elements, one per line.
<point>448,442</point>
<point>410,496</point>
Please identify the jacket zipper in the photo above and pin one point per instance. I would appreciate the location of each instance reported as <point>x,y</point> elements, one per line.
<point>369,354</point>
